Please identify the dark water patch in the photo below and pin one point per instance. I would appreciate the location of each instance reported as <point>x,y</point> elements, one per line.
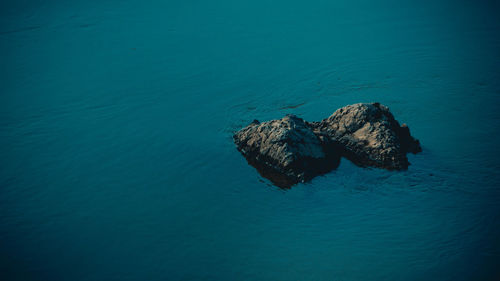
<point>293,106</point>
<point>87,25</point>
<point>19,30</point>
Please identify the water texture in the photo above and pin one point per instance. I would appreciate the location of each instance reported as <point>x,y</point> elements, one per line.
<point>117,161</point>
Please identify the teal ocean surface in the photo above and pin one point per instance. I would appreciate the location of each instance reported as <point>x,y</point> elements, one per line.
<point>117,161</point>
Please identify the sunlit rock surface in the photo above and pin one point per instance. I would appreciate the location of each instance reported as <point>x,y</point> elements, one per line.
<point>369,135</point>
<point>291,150</point>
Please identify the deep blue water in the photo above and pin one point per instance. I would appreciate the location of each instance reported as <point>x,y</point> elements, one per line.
<point>117,161</point>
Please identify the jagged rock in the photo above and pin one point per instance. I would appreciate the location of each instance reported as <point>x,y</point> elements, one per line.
<point>291,150</point>
<point>286,151</point>
<point>369,135</point>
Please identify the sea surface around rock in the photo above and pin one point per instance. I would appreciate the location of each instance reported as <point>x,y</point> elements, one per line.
<point>291,150</point>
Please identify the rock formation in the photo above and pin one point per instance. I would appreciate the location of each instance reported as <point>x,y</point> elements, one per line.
<point>286,151</point>
<point>369,135</point>
<point>291,150</point>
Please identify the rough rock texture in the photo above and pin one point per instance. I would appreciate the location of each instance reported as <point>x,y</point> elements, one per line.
<point>286,151</point>
<point>369,135</point>
<point>291,150</point>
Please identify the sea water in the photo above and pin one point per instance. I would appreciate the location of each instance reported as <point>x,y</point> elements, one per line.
<point>117,161</point>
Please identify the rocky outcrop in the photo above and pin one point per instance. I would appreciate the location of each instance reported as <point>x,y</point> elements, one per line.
<point>369,135</point>
<point>286,151</point>
<point>291,150</point>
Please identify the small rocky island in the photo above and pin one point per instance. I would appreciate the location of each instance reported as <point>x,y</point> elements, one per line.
<point>291,150</point>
